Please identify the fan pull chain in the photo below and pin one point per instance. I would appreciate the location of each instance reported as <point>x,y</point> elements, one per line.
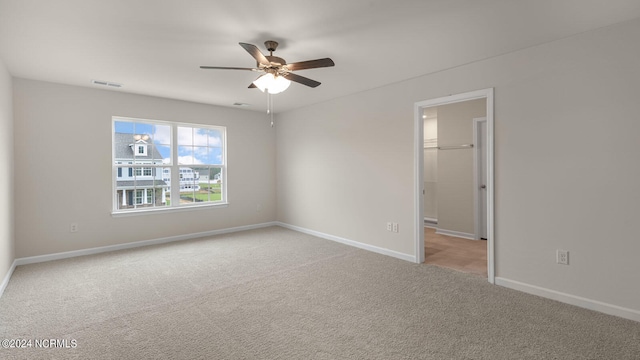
<point>270,107</point>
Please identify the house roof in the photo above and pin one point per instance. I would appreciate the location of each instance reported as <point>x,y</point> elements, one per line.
<point>123,150</point>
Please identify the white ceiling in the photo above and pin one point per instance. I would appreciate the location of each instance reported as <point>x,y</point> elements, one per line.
<point>155,47</point>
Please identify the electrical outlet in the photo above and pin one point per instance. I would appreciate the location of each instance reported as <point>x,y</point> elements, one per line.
<point>73,227</point>
<point>562,257</point>
<point>389,226</point>
<point>395,227</point>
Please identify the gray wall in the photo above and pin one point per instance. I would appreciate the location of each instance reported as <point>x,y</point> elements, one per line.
<point>566,162</point>
<point>6,169</point>
<point>455,166</point>
<point>62,129</point>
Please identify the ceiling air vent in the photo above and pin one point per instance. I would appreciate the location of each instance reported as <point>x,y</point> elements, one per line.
<point>106,83</point>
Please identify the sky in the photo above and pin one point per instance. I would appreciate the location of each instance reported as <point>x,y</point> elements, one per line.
<point>195,145</point>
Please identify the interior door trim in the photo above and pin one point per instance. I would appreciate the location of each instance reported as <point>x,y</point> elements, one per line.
<point>419,172</point>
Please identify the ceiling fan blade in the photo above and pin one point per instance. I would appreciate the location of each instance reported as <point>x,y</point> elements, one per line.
<point>302,80</point>
<point>311,64</point>
<point>255,52</point>
<point>227,68</point>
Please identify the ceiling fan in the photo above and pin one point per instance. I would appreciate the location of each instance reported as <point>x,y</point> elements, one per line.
<point>277,73</point>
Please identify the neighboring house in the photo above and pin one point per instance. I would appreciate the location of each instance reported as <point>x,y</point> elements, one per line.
<point>139,186</point>
<point>189,179</point>
<point>145,186</point>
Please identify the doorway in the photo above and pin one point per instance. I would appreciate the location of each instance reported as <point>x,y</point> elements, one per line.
<point>483,172</point>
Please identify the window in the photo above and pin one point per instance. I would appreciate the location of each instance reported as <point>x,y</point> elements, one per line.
<point>143,171</point>
<point>158,153</point>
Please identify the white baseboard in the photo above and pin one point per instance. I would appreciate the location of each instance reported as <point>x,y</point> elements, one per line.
<point>131,245</point>
<point>570,299</point>
<point>353,243</point>
<point>7,277</point>
<point>430,223</point>
<point>459,234</point>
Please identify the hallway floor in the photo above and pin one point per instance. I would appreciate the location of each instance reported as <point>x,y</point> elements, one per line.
<point>455,253</point>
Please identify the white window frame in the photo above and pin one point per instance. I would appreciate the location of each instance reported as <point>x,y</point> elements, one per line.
<point>174,167</point>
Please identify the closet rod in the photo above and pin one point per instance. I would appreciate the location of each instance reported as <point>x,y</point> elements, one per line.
<point>463,146</point>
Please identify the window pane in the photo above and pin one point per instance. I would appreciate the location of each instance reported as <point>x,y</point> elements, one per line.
<point>209,184</point>
<point>185,155</point>
<point>187,196</point>
<point>200,155</point>
<point>201,188</point>
<point>185,135</point>
<point>215,175</point>
<point>124,189</point>
<point>143,130</point>
<point>124,199</point>
<point>125,127</point>
<point>162,154</point>
<point>200,137</point>
<point>214,156</point>
<point>189,185</point>
<point>215,138</point>
<point>152,154</point>
<point>162,135</point>
<point>164,181</point>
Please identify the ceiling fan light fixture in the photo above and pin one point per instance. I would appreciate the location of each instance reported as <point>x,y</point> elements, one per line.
<point>273,84</point>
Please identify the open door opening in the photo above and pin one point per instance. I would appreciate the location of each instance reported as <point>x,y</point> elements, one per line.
<point>464,181</point>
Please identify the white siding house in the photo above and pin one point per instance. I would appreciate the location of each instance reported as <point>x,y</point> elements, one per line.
<point>142,186</point>
<point>138,186</point>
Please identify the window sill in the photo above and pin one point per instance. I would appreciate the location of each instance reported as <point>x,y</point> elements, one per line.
<point>149,211</point>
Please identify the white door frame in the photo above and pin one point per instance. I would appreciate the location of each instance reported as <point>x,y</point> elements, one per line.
<point>419,171</point>
<point>477,204</point>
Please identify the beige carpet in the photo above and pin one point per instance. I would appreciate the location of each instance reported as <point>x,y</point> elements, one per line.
<point>278,294</point>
